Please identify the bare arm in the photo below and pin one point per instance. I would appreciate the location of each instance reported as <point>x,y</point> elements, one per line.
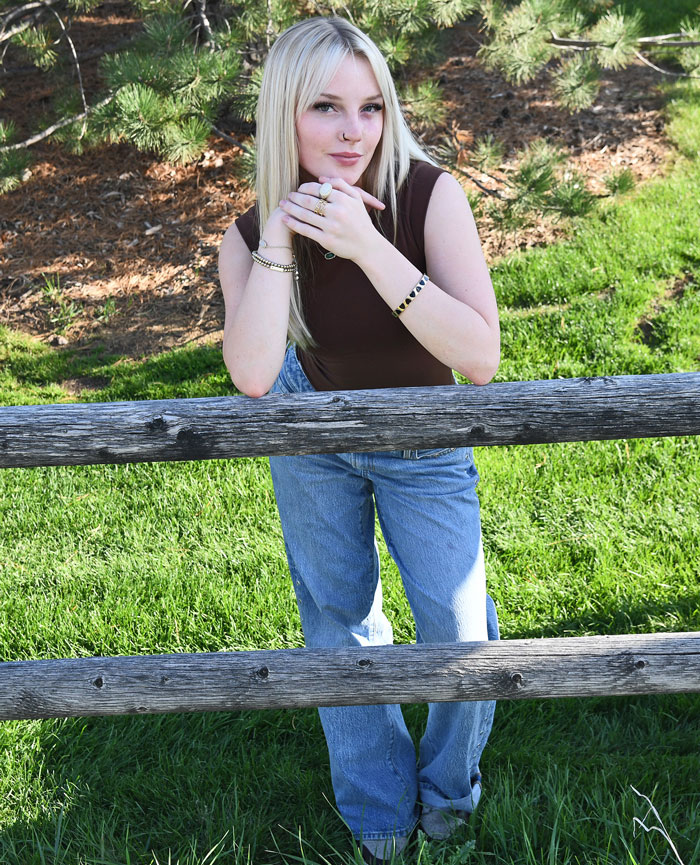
<point>455,317</point>
<point>257,308</point>
<point>257,299</point>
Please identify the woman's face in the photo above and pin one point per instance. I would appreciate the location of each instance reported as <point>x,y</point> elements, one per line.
<point>339,133</point>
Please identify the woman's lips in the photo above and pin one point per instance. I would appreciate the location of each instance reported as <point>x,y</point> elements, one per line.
<point>346,160</point>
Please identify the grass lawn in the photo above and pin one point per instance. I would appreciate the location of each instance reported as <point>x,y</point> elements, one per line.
<point>593,538</point>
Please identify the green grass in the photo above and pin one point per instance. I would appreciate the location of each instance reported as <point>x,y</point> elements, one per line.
<point>659,16</point>
<point>601,537</point>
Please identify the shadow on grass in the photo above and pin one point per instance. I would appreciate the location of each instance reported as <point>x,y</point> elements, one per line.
<point>617,616</point>
<point>249,785</point>
<point>126,789</point>
<point>95,377</point>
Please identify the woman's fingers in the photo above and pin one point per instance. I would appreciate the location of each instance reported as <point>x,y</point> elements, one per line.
<point>371,200</point>
<point>302,207</point>
<point>302,226</point>
<point>343,186</point>
<point>310,202</point>
<point>339,223</point>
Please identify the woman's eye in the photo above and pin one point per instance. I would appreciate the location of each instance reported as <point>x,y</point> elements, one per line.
<point>374,107</point>
<point>323,107</point>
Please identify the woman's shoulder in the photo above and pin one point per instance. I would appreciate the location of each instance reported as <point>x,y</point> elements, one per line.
<point>416,190</point>
<point>423,173</point>
<point>247,225</point>
<point>414,197</point>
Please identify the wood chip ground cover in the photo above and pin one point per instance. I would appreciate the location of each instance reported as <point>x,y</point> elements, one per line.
<point>115,248</point>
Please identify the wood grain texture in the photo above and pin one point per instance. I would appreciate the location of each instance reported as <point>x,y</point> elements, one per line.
<point>292,678</point>
<point>580,409</point>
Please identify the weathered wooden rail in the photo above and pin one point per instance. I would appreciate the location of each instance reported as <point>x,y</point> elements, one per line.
<point>221,428</point>
<point>580,409</point>
<point>294,678</point>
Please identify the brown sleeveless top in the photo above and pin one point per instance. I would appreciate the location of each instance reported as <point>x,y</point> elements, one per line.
<point>360,344</point>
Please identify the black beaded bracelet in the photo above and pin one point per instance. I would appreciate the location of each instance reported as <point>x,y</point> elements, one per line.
<point>412,295</point>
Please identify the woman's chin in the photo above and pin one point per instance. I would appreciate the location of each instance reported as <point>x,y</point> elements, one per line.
<point>351,174</point>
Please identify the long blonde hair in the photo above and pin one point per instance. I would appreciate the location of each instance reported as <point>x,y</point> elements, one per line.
<point>300,64</point>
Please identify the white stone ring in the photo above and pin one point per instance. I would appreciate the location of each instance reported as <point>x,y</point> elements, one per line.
<point>325,191</point>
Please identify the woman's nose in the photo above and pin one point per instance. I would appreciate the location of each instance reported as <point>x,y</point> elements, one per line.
<point>351,129</point>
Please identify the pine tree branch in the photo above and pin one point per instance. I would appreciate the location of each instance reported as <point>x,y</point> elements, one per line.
<point>659,38</point>
<point>82,56</point>
<point>56,126</point>
<point>694,44</point>
<point>494,192</point>
<point>201,6</point>
<point>18,28</point>
<point>592,43</point>
<point>269,30</point>
<point>572,43</point>
<point>663,40</point>
<point>77,69</point>
<point>648,62</point>
<point>28,7</point>
<point>230,140</point>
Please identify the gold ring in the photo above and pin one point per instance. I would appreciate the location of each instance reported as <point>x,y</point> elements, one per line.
<point>325,190</point>
<point>320,208</point>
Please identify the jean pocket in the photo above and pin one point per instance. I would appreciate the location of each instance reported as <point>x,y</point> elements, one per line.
<point>428,453</point>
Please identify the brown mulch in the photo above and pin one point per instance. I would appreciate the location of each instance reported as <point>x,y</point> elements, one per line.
<point>115,248</point>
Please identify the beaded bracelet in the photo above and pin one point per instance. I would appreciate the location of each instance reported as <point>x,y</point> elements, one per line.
<point>273,265</point>
<point>412,295</point>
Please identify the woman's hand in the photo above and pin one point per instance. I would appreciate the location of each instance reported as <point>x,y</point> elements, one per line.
<point>340,223</point>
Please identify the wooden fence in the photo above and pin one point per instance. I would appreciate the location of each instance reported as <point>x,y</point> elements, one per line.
<point>226,427</point>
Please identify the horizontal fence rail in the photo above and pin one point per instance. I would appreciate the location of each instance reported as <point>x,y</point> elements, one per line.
<point>533,412</point>
<point>294,678</point>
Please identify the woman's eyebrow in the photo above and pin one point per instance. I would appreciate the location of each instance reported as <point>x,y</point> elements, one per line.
<point>340,99</point>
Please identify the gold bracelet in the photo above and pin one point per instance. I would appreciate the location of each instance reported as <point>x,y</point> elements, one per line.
<point>412,295</point>
<point>266,245</point>
<point>273,265</point>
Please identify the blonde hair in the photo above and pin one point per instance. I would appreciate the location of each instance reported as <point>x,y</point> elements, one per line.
<point>300,64</point>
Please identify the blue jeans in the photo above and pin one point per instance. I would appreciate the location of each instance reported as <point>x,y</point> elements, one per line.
<point>429,515</point>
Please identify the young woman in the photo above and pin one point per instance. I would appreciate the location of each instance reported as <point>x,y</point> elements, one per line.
<point>360,267</point>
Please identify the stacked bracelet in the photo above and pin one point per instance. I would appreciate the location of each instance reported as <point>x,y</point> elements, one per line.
<point>265,245</point>
<point>273,265</point>
<point>412,295</point>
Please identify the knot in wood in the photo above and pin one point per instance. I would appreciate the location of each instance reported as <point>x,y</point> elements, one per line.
<point>262,673</point>
<point>98,682</point>
<point>365,663</point>
<point>640,663</point>
<point>158,424</point>
<point>517,679</point>
<point>192,443</point>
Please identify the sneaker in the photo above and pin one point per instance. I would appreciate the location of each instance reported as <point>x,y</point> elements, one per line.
<point>440,825</point>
